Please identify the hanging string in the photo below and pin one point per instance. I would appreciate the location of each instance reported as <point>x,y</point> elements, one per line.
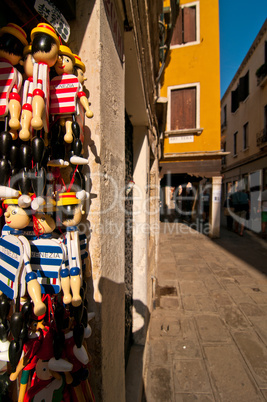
<point>50,310</point>
<point>34,17</point>
<point>72,179</point>
<point>38,228</point>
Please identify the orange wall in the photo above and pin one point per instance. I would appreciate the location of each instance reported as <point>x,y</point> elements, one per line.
<point>199,63</point>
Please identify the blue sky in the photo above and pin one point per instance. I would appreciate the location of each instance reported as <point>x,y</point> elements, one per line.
<point>240,22</point>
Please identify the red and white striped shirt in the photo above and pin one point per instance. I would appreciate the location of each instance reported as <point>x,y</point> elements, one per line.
<point>9,82</point>
<point>64,90</point>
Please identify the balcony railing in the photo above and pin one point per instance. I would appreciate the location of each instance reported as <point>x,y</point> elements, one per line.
<point>261,137</point>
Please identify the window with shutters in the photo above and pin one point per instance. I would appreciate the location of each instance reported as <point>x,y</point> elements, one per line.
<point>183,112</point>
<point>186,27</point>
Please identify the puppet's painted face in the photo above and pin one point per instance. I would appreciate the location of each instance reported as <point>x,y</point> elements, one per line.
<point>80,76</point>
<point>16,217</point>
<point>45,223</point>
<point>42,370</point>
<point>64,64</point>
<point>72,216</point>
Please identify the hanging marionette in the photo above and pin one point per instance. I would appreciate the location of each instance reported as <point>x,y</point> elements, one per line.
<point>70,213</point>
<point>45,45</point>
<point>17,267</point>
<point>48,255</point>
<point>12,41</point>
<point>48,384</point>
<point>29,358</point>
<point>65,92</point>
<point>79,71</point>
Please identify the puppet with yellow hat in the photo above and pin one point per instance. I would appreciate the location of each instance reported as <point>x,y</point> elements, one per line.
<point>17,218</point>
<point>45,46</point>
<point>65,92</point>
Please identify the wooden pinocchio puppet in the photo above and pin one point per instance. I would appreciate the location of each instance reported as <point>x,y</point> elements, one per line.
<point>47,384</point>
<point>12,41</point>
<point>70,212</point>
<point>79,71</point>
<point>17,218</point>
<point>65,89</point>
<point>48,254</point>
<point>29,357</point>
<point>45,45</point>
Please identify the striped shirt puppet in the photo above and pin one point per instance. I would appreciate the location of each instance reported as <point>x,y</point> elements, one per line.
<point>12,41</point>
<point>66,90</point>
<point>45,45</point>
<point>17,219</point>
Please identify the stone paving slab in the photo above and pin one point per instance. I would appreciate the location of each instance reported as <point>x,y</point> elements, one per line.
<point>207,338</point>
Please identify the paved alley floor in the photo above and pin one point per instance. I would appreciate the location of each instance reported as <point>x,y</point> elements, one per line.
<point>208,331</point>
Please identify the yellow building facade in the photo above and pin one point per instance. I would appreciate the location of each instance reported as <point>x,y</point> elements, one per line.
<point>191,143</point>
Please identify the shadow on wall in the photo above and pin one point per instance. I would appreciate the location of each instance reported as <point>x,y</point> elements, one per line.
<point>106,344</point>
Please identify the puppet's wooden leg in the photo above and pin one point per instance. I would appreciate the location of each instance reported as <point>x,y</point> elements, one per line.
<point>22,392</point>
<point>38,106</point>
<point>75,284</point>
<point>68,137</point>
<point>79,394</point>
<point>34,290</point>
<point>26,117</point>
<point>65,284</point>
<point>14,111</point>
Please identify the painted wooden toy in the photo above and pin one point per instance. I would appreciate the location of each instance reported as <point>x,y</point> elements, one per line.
<point>45,45</point>
<point>18,218</point>
<point>48,255</point>
<point>79,71</point>
<point>29,356</point>
<point>70,210</point>
<point>65,89</point>
<point>12,41</point>
<point>47,384</point>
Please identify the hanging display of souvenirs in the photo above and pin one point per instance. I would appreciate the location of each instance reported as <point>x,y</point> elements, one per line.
<point>43,255</point>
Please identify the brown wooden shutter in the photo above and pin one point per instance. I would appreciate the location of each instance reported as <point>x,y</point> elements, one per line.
<point>177,38</point>
<point>183,108</point>
<point>189,24</point>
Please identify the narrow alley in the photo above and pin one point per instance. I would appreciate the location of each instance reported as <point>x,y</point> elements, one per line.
<point>207,337</point>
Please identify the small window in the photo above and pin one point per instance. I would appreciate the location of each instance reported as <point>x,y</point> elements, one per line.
<point>185,29</point>
<point>224,116</point>
<point>183,108</point>
<point>240,93</point>
<point>243,87</point>
<point>235,144</point>
<point>234,100</point>
<point>245,136</point>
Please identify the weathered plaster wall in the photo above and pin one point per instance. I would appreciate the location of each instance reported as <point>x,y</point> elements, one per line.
<point>91,38</point>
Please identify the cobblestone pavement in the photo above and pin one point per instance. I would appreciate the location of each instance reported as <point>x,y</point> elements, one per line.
<point>207,337</point>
